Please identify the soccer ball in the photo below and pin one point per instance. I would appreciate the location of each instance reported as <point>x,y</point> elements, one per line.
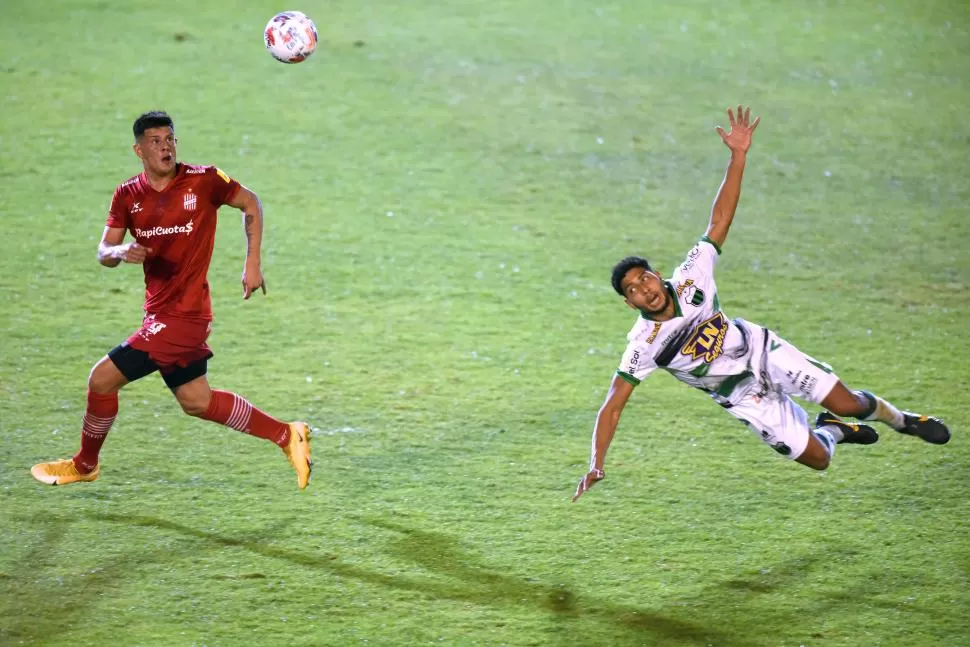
<point>290,36</point>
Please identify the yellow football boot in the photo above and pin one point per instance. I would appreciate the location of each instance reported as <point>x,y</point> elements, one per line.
<point>62,472</point>
<point>298,452</point>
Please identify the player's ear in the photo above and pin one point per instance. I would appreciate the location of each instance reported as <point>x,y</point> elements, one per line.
<point>137,148</point>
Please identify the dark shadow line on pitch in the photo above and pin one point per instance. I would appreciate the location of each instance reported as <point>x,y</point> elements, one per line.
<point>32,615</point>
<point>474,582</point>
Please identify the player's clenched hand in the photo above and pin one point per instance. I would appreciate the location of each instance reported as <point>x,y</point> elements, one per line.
<point>589,481</point>
<point>739,137</point>
<point>252,279</point>
<point>132,252</point>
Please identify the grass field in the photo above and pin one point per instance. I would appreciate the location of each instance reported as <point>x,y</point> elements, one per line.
<point>446,189</point>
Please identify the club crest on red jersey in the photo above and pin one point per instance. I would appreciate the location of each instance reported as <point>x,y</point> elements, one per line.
<point>707,340</point>
<point>189,201</point>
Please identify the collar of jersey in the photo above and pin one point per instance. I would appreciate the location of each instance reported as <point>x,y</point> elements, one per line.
<point>179,167</point>
<point>673,295</point>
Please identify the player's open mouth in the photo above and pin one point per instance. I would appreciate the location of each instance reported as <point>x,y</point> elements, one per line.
<point>166,158</point>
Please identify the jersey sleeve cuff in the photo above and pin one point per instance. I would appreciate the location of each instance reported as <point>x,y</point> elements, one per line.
<point>629,378</point>
<point>707,239</point>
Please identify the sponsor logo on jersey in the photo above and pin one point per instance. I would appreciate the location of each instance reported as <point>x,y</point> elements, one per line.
<point>634,361</point>
<point>707,339</point>
<point>807,384</point>
<point>691,259</point>
<point>165,231</point>
<point>136,208</point>
<point>150,328</point>
<point>653,333</point>
<point>189,201</point>
<point>195,171</point>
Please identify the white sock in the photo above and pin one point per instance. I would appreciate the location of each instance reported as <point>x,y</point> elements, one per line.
<point>829,436</point>
<point>884,412</point>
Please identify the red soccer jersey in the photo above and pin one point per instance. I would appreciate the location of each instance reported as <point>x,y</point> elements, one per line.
<point>179,225</point>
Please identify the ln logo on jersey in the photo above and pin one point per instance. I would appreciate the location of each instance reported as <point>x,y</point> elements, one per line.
<point>707,340</point>
<point>189,201</point>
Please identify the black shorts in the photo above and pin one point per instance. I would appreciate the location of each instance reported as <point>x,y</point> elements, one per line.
<point>135,364</point>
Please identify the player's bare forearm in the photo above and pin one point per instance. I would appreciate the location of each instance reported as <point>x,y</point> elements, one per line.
<point>726,202</point>
<point>606,424</point>
<point>738,140</point>
<point>253,226</point>
<point>606,421</point>
<point>252,218</point>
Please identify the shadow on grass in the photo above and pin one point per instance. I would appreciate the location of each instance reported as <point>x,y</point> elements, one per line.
<point>61,601</point>
<point>471,581</point>
<point>733,609</point>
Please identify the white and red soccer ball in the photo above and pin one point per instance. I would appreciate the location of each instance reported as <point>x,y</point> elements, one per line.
<point>290,36</point>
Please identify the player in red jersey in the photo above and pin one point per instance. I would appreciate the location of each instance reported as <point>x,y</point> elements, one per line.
<point>170,210</point>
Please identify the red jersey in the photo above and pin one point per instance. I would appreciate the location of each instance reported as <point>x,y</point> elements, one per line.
<point>179,225</point>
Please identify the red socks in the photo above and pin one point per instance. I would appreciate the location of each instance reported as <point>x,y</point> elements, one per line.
<point>236,412</point>
<point>100,413</point>
<point>225,408</point>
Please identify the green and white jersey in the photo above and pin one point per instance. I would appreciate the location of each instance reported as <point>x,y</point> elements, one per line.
<point>699,346</point>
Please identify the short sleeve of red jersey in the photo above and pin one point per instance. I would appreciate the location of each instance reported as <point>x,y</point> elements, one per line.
<point>118,212</point>
<point>223,186</point>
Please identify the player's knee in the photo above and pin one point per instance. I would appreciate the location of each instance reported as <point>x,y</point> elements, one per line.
<point>194,407</point>
<point>104,379</point>
<point>815,457</point>
<point>193,397</point>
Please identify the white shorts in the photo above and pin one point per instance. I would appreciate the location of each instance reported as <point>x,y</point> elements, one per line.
<point>781,371</point>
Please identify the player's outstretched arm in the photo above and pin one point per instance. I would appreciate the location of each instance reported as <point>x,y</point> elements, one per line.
<point>606,422</point>
<point>111,252</point>
<point>252,210</point>
<point>738,140</point>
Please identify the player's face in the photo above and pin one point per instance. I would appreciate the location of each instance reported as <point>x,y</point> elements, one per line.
<point>156,148</point>
<point>645,291</point>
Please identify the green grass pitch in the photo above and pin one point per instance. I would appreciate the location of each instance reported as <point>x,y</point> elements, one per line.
<point>446,187</point>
